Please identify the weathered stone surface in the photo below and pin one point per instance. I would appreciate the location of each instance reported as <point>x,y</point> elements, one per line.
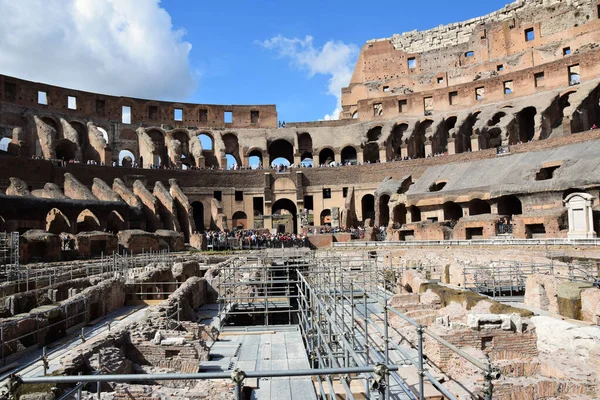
<point>76,190</point>
<point>103,192</point>
<point>17,188</point>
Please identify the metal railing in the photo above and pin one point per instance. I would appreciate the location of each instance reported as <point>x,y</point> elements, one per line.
<point>475,242</point>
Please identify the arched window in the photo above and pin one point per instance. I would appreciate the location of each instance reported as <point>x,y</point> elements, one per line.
<point>206,142</point>
<point>326,156</point>
<point>126,158</point>
<point>281,152</point>
<point>349,155</point>
<point>239,220</point>
<point>368,208</point>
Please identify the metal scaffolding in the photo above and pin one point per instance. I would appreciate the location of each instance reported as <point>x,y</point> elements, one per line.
<point>9,254</point>
<point>340,303</point>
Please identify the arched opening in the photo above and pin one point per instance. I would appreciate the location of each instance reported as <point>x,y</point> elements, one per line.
<point>399,215</point>
<point>207,143</point>
<point>326,217</point>
<point>160,150</point>
<point>462,143</point>
<point>509,205</point>
<point>495,120</point>
<point>416,142</point>
<point>4,142</point>
<point>87,221</point>
<point>326,156</point>
<point>126,158</point>
<point>255,159</point>
<point>415,214</point>
<point>368,209</point>
<point>306,159</point>
<point>374,134</point>
<point>479,207</point>
<point>371,153</point>
<point>55,125</point>
<point>526,123</point>
<point>239,220</point>
<point>283,150</point>
<point>305,145</point>
<point>384,210</point>
<point>587,114</point>
<point>115,222</point>
<point>394,142</point>
<point>82,137</point>
<point>231,161</point>
<point>439,141</point>
<point>198,215</point>
<point>452,211</point>
<point>65,150</point>
<point>284,216</point>
<point>183,138</point>
<point>349,155</point>
<point>232,149</point>
<point>57,222</point>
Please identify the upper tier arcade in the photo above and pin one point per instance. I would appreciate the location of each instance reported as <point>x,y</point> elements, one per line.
<point>526,48</point>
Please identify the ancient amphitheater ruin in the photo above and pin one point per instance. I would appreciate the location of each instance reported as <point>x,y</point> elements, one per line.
<point>438,241</point>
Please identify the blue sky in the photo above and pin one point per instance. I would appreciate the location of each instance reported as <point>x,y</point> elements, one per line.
<point>233,68</point>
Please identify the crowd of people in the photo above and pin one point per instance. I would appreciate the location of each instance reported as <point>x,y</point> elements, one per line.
<point>253,239</point>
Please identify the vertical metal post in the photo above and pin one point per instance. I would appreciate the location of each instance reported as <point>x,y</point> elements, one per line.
<point>366,330</point>
<point>420,361</point>
<point>99,391</point>
<point>45,360</point>
<point>78,395</point>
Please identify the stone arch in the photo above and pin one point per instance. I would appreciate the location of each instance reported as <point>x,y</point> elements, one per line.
<point>65,149</point>
<point>305,143</point>
<point>349,155</point>
<point>232,146</point>
<point>183,137</point>
<point>115,222</point>
<point>281,149</point>
<point>57,222</point>
<point>239,219</point>
<point>526,124</point>
<point>198,215</point>
<point>383,210</point>
<point>509,205</point>
<point>452,211</point>
<point>255,158</point>
<point>587,113</point>
<point>371,153</point>
<point>87,221</point>
<point>368,208</point>
<point>126,158</point>
<point>418,138</point>
<point>160,150</point>
<point>479,207</point>
<point>207,141</point>
<point>50,121</point>
<point>399,214</point>
<point>462,140</point>
<point>326,156</point>
<point>288,205</point>
<point>394,141</point>
<point>374,134</point>
<point>326,217</point>
<point>83,139</point>
<point>439,141</point>
<point>4,142</point>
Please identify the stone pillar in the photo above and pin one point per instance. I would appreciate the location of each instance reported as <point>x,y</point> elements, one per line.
<point>360,157</point>
<point>451,147</point>
<point>246,161</point>
<point>315,160</point>
<point>475,143</point>
<point>297,158</point>
<point>267,218</point>
<point>338,157</point>
<point>428,148</point>
<point>403,151</point>
<point>382,155</point>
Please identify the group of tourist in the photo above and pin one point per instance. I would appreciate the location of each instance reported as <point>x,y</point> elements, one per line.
<point>253,239</point>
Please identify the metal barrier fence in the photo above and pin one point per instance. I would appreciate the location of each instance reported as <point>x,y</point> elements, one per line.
<point>475,242</point>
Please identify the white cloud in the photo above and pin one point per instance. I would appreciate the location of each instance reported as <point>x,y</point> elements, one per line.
<point>334,58</point>
<point>119,47</point>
